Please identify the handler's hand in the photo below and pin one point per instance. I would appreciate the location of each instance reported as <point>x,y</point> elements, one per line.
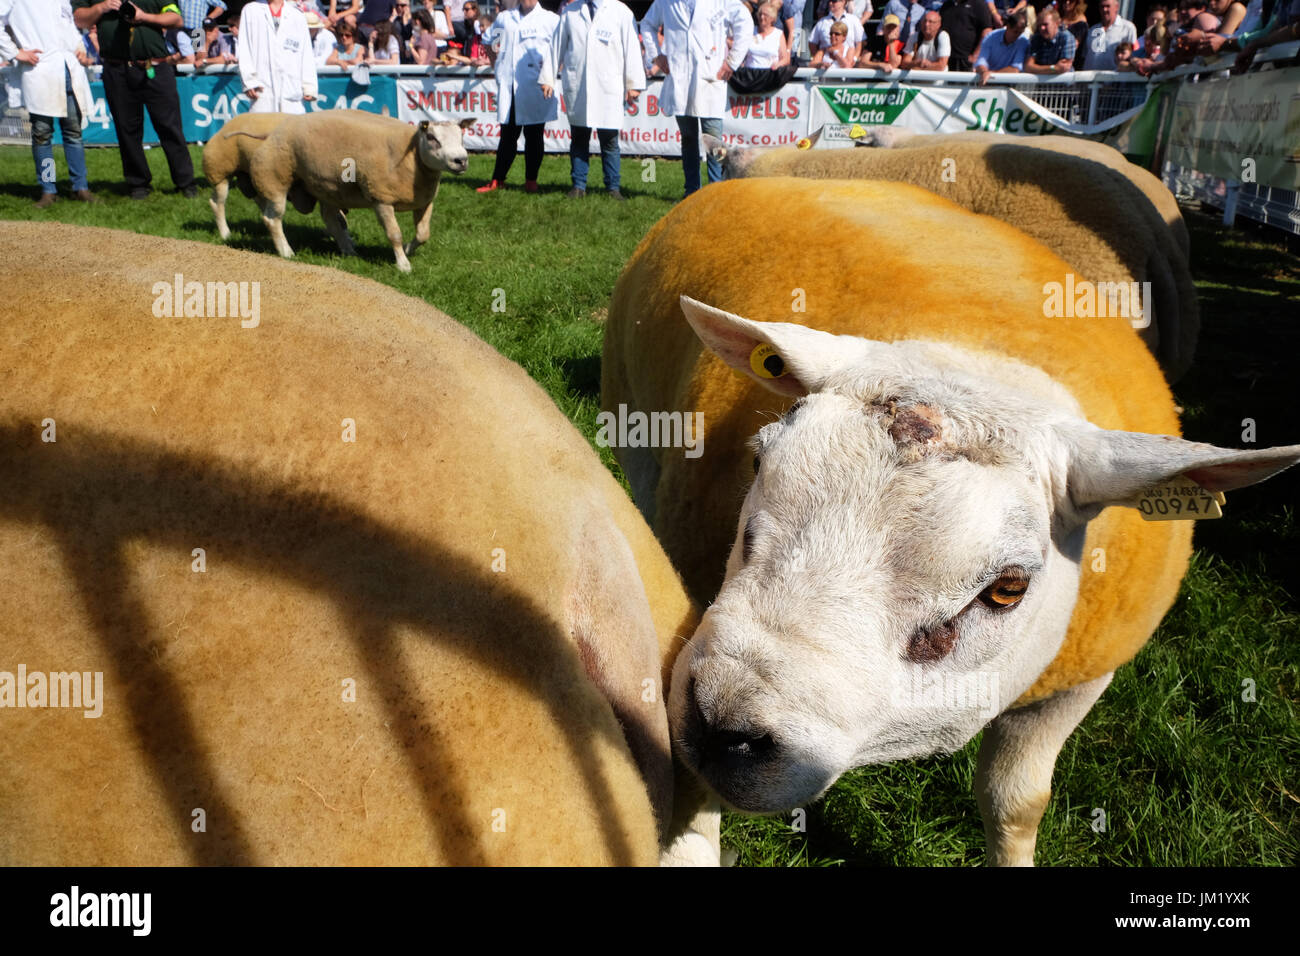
<point>254,93</point>
<point>725,72</point>
<point>110,5</point>
<point>661,61</point>
<point>632,96</point>
<point>309,97</point>
<point>30,57</point>
<point>547,91</point>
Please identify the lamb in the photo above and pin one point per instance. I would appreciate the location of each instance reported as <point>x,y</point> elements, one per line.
<point>228,155</point>
<point>348,159</point>
<point>341,614</point>
<point>1111,220</point>
<point>908,528</point>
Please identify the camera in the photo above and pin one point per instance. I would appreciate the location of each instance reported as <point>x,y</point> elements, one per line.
<point>127,11</point>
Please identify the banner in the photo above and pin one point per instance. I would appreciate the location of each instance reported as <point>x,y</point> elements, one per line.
<point>208,100</point>
<point>949,109</point>
<point>772,120</point>
<point>1245,129</point>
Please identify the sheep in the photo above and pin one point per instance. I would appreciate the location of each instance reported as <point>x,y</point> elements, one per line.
<point>348,159</point>
<point>341,614</point>
<point>911,530</point>
<point>227,156</point>
<point>1113,221</point>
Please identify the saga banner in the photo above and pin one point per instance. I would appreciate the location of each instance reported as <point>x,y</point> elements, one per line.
<point>209,99</point>
<point>1245,129</point>
<point>771,120</point>
<point>837,109</point>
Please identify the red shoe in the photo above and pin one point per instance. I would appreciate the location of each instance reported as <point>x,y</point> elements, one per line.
<point>494,185</point>
<point>530,186</point>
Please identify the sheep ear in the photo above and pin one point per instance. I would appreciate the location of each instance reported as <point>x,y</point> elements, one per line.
<point>714,147</point>
<point>788,359</point>
<point>1117,468</point>
<point>467,122</point>
<point>812,140</point>
<point>424,126</point>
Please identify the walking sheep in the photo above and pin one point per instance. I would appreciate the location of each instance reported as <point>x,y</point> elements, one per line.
<point>907,539</point>
<point>1109,219</point>
<point>228,156</point>
<point>348,159</point>
<point>355,591</point>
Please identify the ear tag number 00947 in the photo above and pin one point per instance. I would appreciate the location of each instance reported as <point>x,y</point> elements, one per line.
<point>1180,499</point>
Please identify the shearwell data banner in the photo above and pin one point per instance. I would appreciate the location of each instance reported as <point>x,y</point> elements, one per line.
<point>1245,129</point>
<point>781,117</point>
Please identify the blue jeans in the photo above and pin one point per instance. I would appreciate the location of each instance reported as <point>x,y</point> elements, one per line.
<point>43,145</point>
<point>580,155</point>
<point>691,127</point>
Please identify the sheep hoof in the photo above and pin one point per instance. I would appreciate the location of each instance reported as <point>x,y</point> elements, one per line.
<point>403,265</point>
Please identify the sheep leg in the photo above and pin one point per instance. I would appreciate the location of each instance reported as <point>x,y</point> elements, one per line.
<point>338,227</point>
<point>423,217</point>
<point>388,219</point>
<point>273,216</point>
<point>1013,776</point>
<point>218,203</point>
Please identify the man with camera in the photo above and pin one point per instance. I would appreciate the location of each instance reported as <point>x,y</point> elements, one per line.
<point>137,75</point>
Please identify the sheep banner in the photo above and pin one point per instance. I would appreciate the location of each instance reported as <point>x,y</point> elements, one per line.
<point>1246,129</point>
<point>777,119</point>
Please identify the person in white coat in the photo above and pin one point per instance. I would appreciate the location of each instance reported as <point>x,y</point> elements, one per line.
<point>54,86</point>
<point>277,61</point>
<point>697,64</point>
<point>524,61</point>
<point>599,58</point>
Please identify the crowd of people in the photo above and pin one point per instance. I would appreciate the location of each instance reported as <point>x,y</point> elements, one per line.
<point>593,49</point>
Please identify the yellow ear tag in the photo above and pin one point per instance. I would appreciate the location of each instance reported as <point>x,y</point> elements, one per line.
<point>1180,499</point>
<point>804,143</point>
<point>766,363</point>
<point>856,132</point>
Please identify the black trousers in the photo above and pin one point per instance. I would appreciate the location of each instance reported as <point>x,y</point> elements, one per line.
<point>507,148</point>
<point>129,91</point>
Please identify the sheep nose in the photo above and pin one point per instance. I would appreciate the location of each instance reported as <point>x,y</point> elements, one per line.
<point>727,748</point>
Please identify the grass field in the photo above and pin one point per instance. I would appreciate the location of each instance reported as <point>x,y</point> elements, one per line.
<point>1186,771</point>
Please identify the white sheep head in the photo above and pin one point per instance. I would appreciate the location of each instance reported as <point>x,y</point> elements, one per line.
<point>442,145</point>
<point>914,528</point>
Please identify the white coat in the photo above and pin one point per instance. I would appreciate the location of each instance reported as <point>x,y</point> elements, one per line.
<point>525,62</point>
<point>282,62</point>
<point>45,25</point>
<point>599,61</point>
<point>695,44</point>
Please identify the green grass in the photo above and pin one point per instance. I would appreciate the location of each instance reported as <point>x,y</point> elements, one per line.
<point>1187,772</point>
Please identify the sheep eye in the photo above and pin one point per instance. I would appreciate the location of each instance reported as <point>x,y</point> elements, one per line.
<point>1005,593</point>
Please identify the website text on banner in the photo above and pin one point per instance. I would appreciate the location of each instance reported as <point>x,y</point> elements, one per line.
<point>1245,129</point>
<point>773,120</point>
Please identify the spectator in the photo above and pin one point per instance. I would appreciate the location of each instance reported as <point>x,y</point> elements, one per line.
<point>1106,35</point>
<point>929,47</point>
<point>598,54</point>
<point>1155,42</point>
<point>220,46</point>
<point>322,40</point>
<point>54,86</point>
<point>770,49</point>
<point>792,21</point>
<point>966,22</point>
<point>90,41</point>
<point>454,13</point>
<point>839,55</point>
<point>347,51</point>
<point>1231,14</point>
<point>886,53</point>
<point>277,62</point>
<point>695,54</point>
<point>179,48</point>
<point>999,10</point>
<point>522,56</point>
<point>195,12</point>
<point>343,11</point>
<point>1282,27</point>
<point>373,13</point>
<point>1074,18</point>
<point>384,48</point>
<point>909,13</point>
<point>404,29</point>
<point>820,38</point>
<point>1124,57</point>
<point>424,47</point>
<point>860,10</point>
<point>474,51</point>
<point>1004,51</point>
<point>137,77</point>
<point>1052,49</point>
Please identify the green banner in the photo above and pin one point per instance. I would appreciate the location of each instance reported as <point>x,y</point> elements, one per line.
<point>865,105</point>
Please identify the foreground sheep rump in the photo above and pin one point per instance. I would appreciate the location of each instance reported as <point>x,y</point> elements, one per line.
<point>693,504</point>
<point>327,561</point>
<point>1111,220</point>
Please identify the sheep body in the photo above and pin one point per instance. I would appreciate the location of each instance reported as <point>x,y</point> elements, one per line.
<point>1112,221</point>
<point>693,504</point>
<point>494,621</point>
<point>229,153</point>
